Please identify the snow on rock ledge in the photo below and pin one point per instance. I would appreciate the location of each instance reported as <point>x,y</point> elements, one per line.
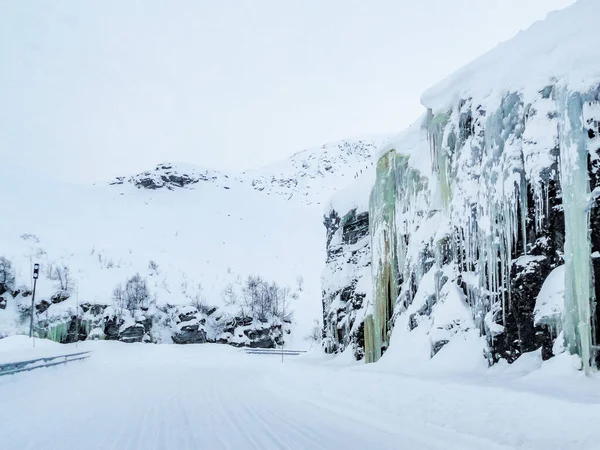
<point>171,176</point>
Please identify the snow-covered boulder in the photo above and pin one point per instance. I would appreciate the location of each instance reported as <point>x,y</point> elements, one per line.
<point>550,302</point>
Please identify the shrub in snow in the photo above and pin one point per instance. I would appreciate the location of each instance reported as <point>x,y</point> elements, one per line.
<point>300,283</point>
<point>199,301</point>
<point>153,267</point>
<point>62,274</point>
<point>316,333</point>
<point>131,297</point>
<point>229,295</point>
<point>262,300</point>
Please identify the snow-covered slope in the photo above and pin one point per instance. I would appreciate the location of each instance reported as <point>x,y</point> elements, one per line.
<point>310,173</point>
<point>484,198</point>
<point>194,234</point>
<point>559,50</point>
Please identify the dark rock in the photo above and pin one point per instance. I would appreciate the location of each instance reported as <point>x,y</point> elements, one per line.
<point>243,321</point>
<point>111,329</point>
<point>147,324</point>
<point>520,333</point>
<point>42,306</point>
<point>190,334</point>
<point>338,323</point>
<point>146,183</point>
<point>2,303</point>
<point>594,174</point>
<point>59,297</point>
<point>75,332</point>
<point>93,309</point>
<point>133,333</point>
<point>437,346</point>
<point>332,223</point>
<point>239,321</point>
<point>264,337</point>
<point>188,316</point>
<point>117,181</point>
<point>356,226</point>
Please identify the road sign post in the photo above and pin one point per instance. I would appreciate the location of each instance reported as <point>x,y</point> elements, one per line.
<point>36,273</point>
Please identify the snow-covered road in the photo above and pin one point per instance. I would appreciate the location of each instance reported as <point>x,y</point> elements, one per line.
<point>130,396</point>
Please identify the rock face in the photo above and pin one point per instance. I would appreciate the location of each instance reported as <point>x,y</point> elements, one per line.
<point>189,334</point>
<point>190,327</point>
<point>465,240</point>
<point>132,333</point>
<point>247,332</point>
<point>480,227</point>
<point>346,281</point>
<point>167,324</point>
<point>477,204</point>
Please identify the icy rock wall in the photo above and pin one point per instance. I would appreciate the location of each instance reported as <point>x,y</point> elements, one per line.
<point>346,280</point>
<point>507,194</point>
<point>179,324</point>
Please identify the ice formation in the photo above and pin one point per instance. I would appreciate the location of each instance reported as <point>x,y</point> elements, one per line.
<point>489,192</point>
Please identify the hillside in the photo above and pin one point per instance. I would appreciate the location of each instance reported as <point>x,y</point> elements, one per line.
<point>194,234</point>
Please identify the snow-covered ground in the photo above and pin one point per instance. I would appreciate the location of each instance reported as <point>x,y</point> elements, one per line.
<point>140,396</point>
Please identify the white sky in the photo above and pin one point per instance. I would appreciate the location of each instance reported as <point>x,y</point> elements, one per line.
<point>94,89</point>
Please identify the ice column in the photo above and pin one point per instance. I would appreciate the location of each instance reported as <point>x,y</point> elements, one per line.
<point>575,189</point>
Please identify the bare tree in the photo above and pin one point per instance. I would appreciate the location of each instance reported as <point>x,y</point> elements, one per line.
<point>136,292</point>
<point>153,267</point>
<point>263,300</point>
<point>30,237</point>
<point>199,300</point>
<point>133,296</point>
<point>300,283</point>
<point>229,295</point>
<point>118,296</point>
<point>316,333</point>
<point>62,274</point>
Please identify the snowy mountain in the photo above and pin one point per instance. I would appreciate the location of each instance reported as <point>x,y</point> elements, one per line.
<point>483,215</point>
<point>308,176</point>
<point>310,173</point>
<point>193,235</point>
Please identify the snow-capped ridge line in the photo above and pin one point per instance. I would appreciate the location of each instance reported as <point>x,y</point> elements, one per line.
<point>309,176</point>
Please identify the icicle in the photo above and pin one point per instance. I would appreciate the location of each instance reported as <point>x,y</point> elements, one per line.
<point>577,255</point>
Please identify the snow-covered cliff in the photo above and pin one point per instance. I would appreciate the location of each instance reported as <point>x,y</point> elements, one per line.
<point>346,279</point>
<point>487,205</point>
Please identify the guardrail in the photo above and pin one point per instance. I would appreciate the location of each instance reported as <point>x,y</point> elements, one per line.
<point>273,351</point>
<point>38,363</point>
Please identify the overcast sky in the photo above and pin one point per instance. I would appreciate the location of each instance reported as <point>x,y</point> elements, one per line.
<point>94,89</point>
